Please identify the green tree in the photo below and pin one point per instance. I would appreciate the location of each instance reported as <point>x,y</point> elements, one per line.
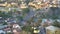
<point>27,29</point>
<point>20,18</point>
<point>57,24</point>
<point>5,23</point>
<point>25,10</point>
<point>54,17</point>
<point>5,15</point>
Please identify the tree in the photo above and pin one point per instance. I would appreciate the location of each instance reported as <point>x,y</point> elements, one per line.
<point>5,23</point>
<point>20,18</point>
<point>27,29</point>
<point>56,23</point>
<point>54,17</point>
<point>5,15</point>
<point>25,10</point>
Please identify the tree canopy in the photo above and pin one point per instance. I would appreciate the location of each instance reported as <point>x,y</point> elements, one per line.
<point>56,24</point>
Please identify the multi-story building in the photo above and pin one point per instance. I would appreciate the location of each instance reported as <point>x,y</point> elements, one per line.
<point>3,4</point>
